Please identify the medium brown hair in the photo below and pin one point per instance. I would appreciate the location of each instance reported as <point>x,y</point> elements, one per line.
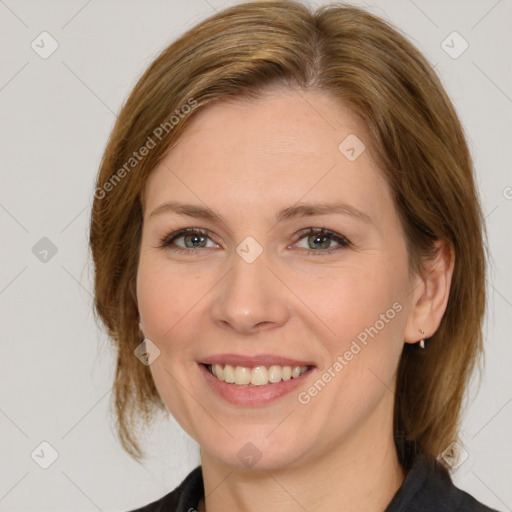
<point>414,134</point>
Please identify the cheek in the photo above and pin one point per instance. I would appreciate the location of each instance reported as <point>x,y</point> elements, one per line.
<point>165,296</point>
<point>166,300</point>
<point>350,300</point>
<point>365,314</point>
<point>364,311</point>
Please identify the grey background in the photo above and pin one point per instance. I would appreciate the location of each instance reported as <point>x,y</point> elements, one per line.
<point>56,364</point>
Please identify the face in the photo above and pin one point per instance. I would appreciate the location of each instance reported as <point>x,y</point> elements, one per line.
<point>257,284</point>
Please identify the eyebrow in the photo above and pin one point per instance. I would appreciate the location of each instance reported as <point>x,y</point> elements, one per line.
<point>296,211</point>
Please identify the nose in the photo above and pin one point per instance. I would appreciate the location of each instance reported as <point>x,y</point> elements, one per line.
<point>250,298</point>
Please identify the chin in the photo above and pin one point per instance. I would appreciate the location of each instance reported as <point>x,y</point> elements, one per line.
<point>252,452</point>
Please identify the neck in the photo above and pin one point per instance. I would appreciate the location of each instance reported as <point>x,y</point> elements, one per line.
<point>364,475</point>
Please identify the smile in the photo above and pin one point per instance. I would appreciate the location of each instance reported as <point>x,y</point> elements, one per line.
<point>255,386</point>
<point>256,376</point>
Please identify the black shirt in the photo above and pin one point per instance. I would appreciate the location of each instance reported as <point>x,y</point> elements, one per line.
<point>427,487</point>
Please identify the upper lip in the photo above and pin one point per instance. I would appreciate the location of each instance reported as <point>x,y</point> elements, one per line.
<point>256,360</point>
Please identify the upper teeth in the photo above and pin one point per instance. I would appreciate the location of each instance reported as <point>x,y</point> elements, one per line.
<point>257,376</point>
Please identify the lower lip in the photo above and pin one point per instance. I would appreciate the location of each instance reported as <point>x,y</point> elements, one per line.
<point>252,396</point>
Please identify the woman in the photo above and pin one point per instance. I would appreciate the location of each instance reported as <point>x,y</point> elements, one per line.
<point>289,257</point>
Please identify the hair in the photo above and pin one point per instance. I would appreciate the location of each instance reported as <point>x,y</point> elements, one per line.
<point>415,136</point>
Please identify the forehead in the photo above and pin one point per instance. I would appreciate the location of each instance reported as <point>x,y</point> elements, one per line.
<point>280,122</point>
<point>278,149</point>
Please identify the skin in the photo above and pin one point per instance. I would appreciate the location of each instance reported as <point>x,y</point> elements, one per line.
<point>247,161</point>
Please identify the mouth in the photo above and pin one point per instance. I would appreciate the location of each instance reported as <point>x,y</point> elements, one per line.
<point>255,381</point>
<point>243,393</point>
<point>255,376</point>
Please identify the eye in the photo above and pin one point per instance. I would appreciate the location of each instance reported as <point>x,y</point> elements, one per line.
<point>319,240</point>
<point>193,239</point>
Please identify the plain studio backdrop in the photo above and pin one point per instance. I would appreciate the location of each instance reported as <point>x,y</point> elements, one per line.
<point>66,68</point>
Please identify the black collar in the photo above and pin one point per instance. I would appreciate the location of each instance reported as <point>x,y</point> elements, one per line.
<point>427,487</point>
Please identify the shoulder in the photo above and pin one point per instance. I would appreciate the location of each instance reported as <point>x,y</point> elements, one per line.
<point>183,498</point>
<point>428,486</point>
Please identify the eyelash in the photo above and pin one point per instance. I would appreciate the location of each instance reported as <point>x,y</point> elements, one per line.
<point>167,240</point>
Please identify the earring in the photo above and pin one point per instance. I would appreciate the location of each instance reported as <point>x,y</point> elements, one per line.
<point>422,341</point>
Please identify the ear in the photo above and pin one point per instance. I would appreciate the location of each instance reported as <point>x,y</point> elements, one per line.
<point>430,291</point>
